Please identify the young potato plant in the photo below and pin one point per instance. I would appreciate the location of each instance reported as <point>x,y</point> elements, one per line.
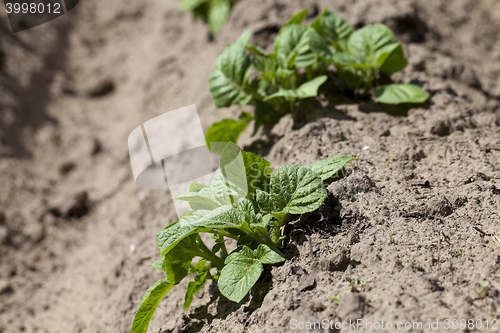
<point>245,202</point>
<point>302,60</point>
<point>213,12</point>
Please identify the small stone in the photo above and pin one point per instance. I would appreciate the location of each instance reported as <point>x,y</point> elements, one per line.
<point>353,237</point>
<point>385,133</point>
<point>317,307</point>
<point>419,182</point>
<point>102,88</point>
<point>80,206</point>
<point>459,202</point>
<point>337,262</point>
<point>66,168</point>
<point>5,287</point>
<point>439,206</point>
<point>307,284</point>
<point>441,128</point>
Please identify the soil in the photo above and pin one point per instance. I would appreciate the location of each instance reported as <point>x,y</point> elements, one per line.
<point>412,220</point>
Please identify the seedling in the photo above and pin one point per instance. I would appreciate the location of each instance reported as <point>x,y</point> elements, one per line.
<point>391,241</point>
<point>213,12</point>
<point>335,299</point>
<point>252,208</point>
<point>415,266</point>
<point>440,237</point>
<point>456,254</point>
<point>355,284</point>
<point>273,82</point>
<point>481,293</point>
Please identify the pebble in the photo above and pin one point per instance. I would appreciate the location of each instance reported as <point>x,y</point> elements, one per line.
<point>307,284</point>
<point>439,206</point>
<point>5,287</point>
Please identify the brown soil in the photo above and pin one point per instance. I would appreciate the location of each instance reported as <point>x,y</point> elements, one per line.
<point>73,89</point>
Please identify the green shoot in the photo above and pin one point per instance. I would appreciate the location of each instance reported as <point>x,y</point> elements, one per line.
<point>273,82</point>
<point>245,202</point>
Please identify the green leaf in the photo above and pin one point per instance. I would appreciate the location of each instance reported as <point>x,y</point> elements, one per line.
<point>262,223</point>
<point>257,50</point>
<point>293,46</point>
<point>190,4</point>
<point>336,30</point>
<point>195,286</point>
<point>226,130</point>
<point>395,62</point>
<point>158,264</point>
<point>239,274</point>
<point>243,269</point>
<point>246,212</point>
<point>279,216</point>
<point>198,221</point>
<point>264,201</point>
<point>225,189</point>
<point>149,304</point>
<point>308,89</point>
<point>218,14</point>
<point>246,170</point>
<point>205,198</point>
<point>401,93</point>
<point>372,44</point>
<point>266,255</point>
<point>194,187</point>
<point>221,217</point>
<point>327,169</point>
<point>242,41</point>
<point>229,78</point>
<point>178,260</point>
<point>297,18</point>
<point>316,25</point>
<point>296,189</point>
<point>318,46</point>
<point>344,58</point>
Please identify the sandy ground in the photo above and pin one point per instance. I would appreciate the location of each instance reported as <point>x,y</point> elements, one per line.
<point>77,234</point>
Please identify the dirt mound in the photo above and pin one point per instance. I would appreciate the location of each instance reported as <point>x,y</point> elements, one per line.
<point>409,226</point>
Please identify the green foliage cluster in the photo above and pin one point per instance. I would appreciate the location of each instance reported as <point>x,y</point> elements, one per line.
<point>213,12</point>
<point>245,74</point>
<point>252,209</point>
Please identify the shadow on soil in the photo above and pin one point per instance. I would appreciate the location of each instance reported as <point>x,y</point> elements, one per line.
<point>29,103</point>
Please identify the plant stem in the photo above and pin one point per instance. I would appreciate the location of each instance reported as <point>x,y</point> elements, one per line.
<point>223,247</point>
<point>207,254</point>
<point>310,73</point>
<point>368,84</point>
<point>224,234</point>
<point>292,104</point>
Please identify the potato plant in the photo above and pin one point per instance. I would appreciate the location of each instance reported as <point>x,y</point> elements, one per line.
<point>302,60</point>
<point>214,13</point>
<point>252,208</point>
